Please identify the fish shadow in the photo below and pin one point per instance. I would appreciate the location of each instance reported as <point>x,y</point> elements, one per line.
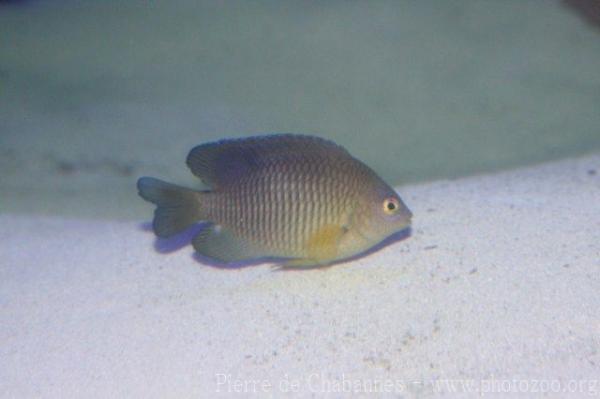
<point>175,243</point>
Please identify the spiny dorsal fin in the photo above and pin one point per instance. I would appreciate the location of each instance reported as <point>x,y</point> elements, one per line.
<point>221,161</point>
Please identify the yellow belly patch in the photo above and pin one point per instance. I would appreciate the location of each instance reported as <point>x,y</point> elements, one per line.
<point>323,244</point>
<point>321,248</point>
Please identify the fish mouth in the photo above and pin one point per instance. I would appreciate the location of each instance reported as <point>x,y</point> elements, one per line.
<point>404,217</point>
<point>403,225</point>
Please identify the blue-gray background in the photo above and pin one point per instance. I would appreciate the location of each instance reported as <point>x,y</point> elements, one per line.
<point>94,94</point>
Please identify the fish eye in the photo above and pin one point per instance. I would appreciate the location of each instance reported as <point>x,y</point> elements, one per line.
<point>390,205</point>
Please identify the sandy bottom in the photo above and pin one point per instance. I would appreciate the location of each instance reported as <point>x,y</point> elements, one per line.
<point>497,289</point>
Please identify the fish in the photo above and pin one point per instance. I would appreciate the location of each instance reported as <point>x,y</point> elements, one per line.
<point>300,199</point>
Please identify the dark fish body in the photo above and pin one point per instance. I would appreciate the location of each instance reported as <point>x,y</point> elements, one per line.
<point>283,196</point>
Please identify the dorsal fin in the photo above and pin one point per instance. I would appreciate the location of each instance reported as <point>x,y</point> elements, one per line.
<point>221,161</point>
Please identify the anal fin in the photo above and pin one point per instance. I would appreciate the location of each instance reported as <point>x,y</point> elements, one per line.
<point>300,263</point>
<point>223,246</point>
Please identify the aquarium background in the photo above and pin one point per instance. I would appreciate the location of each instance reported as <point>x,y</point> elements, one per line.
<point>94,94</point>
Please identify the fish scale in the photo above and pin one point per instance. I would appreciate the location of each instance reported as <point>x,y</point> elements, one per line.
<point>277,230</point>
<point>286,196</point>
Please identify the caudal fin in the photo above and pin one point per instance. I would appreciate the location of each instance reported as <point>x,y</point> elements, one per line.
<point>177,208</point>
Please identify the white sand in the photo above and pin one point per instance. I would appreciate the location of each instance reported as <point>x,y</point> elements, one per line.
<point>499,281</point>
